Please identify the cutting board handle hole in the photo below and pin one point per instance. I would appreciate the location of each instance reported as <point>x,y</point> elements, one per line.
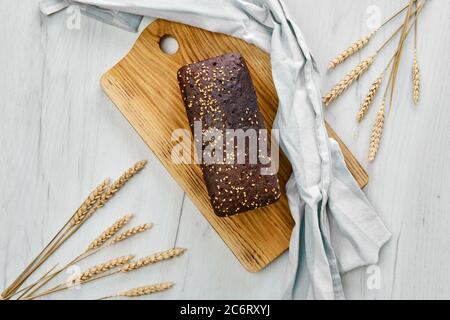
<point>168,44</point>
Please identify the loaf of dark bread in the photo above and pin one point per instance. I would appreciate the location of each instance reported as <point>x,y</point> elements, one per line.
<point>219,93</point>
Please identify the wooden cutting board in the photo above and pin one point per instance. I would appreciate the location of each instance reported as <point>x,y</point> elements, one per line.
<point>144,87</point>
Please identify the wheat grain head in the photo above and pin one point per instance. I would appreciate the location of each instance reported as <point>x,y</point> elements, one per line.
<point>345,83</point>
<point>81,214</point>
<point>154,258</point>
<point>103,267</point>
<point>146,290</point>
<point>354,48</point>
<point>142,291</point>
<point>131,232</point>
<point>119,183</point>
<point>377,132</point>
<point>416,79</point>
<point>369,98</point>
<point>109,232</point>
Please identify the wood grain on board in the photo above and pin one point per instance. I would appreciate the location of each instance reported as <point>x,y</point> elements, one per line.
<point>144,87</point>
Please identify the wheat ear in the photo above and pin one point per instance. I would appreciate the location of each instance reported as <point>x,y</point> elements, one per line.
<point>109,232</point>
<point>154,258</point>
<point>142,291</point>
<point>119,183</point>
<point>345,83</point>
<point>82,212</point>
<point>415,66</point>
<point>370,97</point>
<point>103,267</point>
<point>131,232</point>
<point>416,80</point>
<point>350,51</point>
<point>377,132</point>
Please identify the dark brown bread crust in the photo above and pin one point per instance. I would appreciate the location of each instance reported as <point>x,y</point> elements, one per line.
<point>219,92</point>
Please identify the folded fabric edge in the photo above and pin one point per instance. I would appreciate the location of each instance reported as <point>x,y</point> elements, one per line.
<point>377,234</point>
<point>49,7</point>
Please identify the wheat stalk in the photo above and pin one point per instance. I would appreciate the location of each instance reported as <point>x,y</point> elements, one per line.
<point>143,291</point>
<point>345,83</point>
<point>398,55</point>
<point>88,204</point>
<point>350,51</point>
<point>154,258</point>
<point>119,183</point>
<point>369,98</point>
<point>131,232</point>
<point>377,132</point>
<point>109,233</point>
<point>103,267</point>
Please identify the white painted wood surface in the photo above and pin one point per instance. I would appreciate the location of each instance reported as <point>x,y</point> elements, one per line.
<point>60,136</point>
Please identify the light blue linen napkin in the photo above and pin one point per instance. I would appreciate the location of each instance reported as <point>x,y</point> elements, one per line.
<point>337,230</point>
<point>123,20</point>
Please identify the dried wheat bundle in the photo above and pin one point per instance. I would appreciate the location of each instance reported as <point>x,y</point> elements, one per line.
<point>109,233</point>
<point>364,65</point>
<point>351,77</point>
<point>103,267</point>
<point>413,10</point>
<point>75,222</point>
<point>61,236</point>
<point>377,132</point>
<point>143,291</point>
<point>154,258</point>
<point>96,199</point>
<point>131,232</point>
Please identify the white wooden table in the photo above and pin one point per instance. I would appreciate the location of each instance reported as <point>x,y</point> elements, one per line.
<point>60,136</point>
